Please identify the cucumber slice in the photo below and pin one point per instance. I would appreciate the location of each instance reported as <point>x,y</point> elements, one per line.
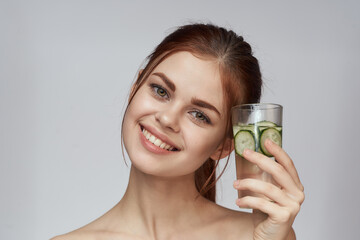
<point>249,127</point>
<point>244,139</point>
<point>274,136</point>
<point>279,129</point>
<point>265,124</point>
<point>237,128</point>
<point>261,128</point>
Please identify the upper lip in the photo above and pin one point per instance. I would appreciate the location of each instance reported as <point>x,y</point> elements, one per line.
<point>160,136</point>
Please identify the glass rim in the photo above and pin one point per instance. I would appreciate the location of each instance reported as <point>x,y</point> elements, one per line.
<point>257,106</point>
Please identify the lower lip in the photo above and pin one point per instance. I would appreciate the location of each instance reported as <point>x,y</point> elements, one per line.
<point>151,147</point>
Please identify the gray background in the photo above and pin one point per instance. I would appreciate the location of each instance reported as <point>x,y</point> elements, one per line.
<point>65,71</point>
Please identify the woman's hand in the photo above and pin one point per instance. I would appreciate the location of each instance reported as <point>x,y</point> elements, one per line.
<point>285,199</point>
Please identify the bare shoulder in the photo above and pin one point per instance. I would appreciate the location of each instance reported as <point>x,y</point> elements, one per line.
<point>234,224</point>
<point>93,231</point>
<point>69,236</point>
<point>96,230</point>
<point>235,218</point>
<point>84,232</point>
<point>78,234</point>
<point>93,235</point>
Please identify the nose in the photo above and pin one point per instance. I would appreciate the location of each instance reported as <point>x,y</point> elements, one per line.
<point>168,118</point>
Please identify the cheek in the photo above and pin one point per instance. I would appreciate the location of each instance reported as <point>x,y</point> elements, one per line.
<point>141,104</point>
<point>203,143</point>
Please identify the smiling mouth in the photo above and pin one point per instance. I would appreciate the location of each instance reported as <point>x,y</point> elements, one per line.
<point>156,141</point>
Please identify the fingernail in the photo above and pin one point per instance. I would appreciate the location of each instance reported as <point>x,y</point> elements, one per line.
<point>248,152</point>
<point>268,142</point>
<point>236,183</point>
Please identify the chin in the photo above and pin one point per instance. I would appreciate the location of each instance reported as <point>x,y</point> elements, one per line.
<point>158,168</point>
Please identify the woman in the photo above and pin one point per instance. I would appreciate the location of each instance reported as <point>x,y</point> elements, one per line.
<point>176,129</point>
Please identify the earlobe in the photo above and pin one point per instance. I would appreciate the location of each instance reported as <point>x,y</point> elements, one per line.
<point>223,150</point>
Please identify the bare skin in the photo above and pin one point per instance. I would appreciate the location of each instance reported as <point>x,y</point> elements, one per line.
<point>161,201</point>
<point>165,212</point>
<point>157,213</point>
<point>158,216</point>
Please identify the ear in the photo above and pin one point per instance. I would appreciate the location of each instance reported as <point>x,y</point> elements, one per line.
<point>228,148</point>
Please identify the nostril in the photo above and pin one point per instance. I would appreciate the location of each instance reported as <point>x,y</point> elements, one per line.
<point>168,120</point>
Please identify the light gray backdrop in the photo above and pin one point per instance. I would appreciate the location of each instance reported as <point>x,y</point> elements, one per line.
<point>65,71</point>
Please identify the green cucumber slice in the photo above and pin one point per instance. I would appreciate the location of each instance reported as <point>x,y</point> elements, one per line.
<point>244,139</point>
<point>274,136</point>
<point>251,128</point>
<point>261,128</point>
<point>265,124</point>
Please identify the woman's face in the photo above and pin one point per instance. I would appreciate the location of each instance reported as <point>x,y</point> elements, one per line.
<point>175,121</point>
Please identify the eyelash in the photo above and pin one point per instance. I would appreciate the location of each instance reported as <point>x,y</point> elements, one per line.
<point>155,88</point>
<point>205,120</point>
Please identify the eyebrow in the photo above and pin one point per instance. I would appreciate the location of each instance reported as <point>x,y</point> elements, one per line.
<point>194,101</point>
<point>166,80</point>
<point>204,104</point>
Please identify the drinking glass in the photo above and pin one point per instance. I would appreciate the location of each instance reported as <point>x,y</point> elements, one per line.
<point>252,125</point>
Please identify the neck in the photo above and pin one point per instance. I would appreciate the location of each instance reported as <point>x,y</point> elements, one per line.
<point>161,205</point>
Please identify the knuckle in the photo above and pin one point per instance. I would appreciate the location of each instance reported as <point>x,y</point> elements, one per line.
<point>267,188</point>
<point>290,164</point>
<point>278,151</point>
<point>246,200</point>
<point>279,170</point>
<point>251,184</point>
<point>296,208</point>
<point>302,197</point>
<point>284,216</point>
<point>287,216</point>
<point>246,181</point>
<point>261,156</point>
<point>262,203</point>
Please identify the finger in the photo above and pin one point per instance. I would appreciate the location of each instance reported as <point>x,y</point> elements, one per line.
<point>277,171</point>
<point>284,159</point>
<point>264,188</point>
<point>275,212</point>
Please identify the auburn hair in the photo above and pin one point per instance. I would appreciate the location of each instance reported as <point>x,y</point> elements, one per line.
<point>239,71</point>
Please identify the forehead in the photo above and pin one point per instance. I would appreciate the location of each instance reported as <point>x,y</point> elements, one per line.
<point>193,76</point>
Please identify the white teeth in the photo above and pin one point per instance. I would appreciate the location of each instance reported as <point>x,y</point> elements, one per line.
<point>146,134</point>
<point>156,141</point>
<point>152,139</point>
